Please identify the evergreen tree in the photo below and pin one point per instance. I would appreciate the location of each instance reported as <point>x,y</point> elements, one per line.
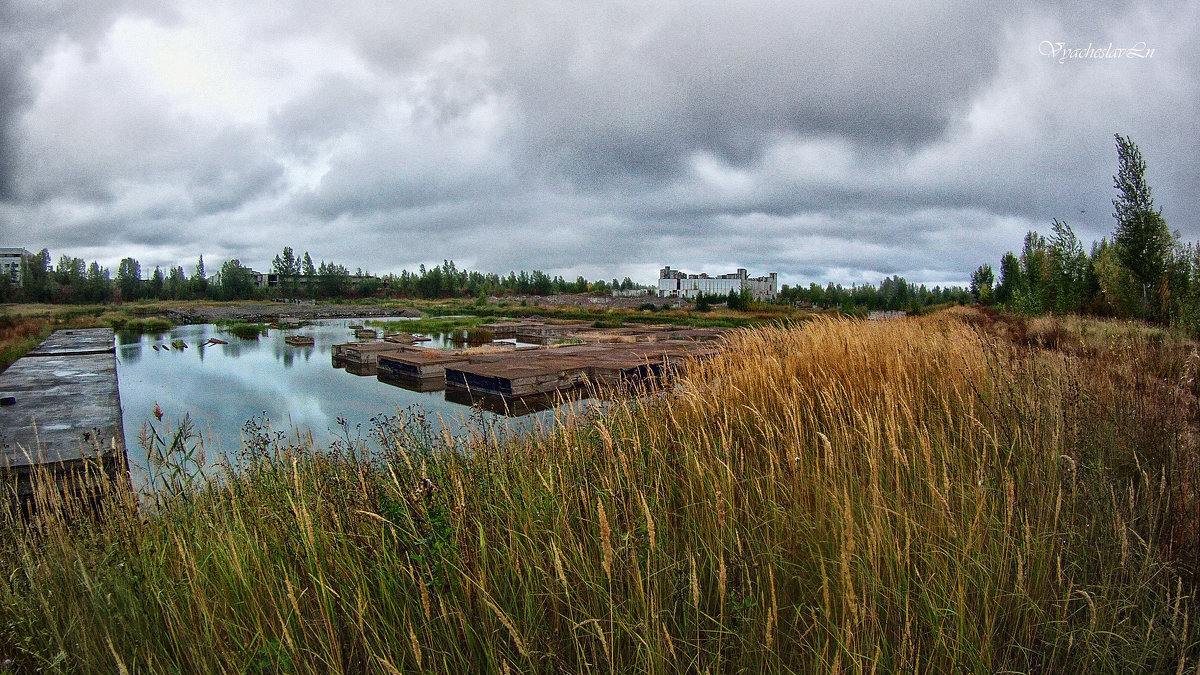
<point>199,280</point>
<point>156,284</point>
<point>981,284</point>
<point>99,286</point>
<point>35,276</point>
<point>175,286</point>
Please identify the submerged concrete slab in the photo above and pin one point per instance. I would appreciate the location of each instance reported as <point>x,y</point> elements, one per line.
<point>66,406</point>
<point>77,341</point>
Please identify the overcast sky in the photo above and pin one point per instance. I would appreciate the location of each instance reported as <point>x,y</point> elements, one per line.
<point>605,138</point>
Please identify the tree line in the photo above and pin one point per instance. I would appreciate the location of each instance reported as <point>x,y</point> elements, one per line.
<point>72,280</point>
<point>1144,271</point>
<point>893,293</point>
<point>448,281</point>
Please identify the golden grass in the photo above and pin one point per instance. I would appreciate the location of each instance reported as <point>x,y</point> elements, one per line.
<point>906,496</point>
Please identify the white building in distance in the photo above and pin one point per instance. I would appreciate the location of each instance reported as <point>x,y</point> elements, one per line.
<point>10,263</point>
<point>676,284</point>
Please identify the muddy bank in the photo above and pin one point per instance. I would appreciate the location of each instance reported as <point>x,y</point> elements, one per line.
<point>271,312</point>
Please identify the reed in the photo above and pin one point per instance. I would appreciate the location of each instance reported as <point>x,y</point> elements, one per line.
<point>18,335</point>
<point>920,495</point>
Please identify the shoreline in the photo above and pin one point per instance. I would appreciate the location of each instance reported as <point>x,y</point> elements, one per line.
<point>271,312</point>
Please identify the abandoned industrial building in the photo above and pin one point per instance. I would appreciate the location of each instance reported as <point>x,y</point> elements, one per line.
<point>676,284</point>
<point>10,263</point>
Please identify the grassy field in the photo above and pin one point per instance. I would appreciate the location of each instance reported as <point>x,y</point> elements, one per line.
<point>960,492</point>
<point>719,316</point>
<point>24,326</point>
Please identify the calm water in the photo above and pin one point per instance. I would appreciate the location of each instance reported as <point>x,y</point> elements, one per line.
<point>296,388</point>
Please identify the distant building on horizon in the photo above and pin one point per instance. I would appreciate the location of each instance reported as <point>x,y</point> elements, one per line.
<point>10,263</point>
<point>676,284</point>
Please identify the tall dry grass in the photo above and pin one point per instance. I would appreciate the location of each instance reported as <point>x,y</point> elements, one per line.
<point>917,496</point>
<point>18,335</point>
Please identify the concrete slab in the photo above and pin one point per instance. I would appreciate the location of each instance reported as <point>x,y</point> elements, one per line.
<point>80,341</point>
<point>550,370</point>
<point>67,408</point>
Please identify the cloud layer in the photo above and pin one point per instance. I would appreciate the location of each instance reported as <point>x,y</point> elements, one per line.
<point>600,138</point>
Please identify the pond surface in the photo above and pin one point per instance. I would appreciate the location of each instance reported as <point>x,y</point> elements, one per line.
<point>297,389</point>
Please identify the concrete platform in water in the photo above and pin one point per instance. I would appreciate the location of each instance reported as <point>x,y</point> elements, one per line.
<point>427,365</point>
<point>65,411</point>
<point>361,358</point>
<point>543,372</point>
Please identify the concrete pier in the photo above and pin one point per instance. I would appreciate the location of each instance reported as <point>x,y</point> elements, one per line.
<point>62,411</point>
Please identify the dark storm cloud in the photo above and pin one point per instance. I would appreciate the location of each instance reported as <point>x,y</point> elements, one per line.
<point>731,78</point>
<point>606,138</point>
<point>27,29</point>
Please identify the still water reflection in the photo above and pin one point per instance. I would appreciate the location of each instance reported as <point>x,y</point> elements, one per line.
<point>221,386</point>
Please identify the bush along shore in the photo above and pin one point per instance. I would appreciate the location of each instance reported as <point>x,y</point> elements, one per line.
<point>950,493</point>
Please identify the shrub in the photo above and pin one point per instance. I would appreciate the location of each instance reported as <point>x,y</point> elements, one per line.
<point>154,324</point>
<point>247,331</point>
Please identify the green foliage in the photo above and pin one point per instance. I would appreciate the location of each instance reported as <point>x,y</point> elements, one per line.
<point>739,300</point>
<point>1012,281</point>
<point>247,331</point>
<point>288,268</point>
<point>332,280</point>
<point>1141,237</point>
<point>1144,272</point>
<point>129,279</point>
<point>176,459</point>
<point>893,293</point>
<point>449,281</point>
<point>8,289</point>
<point>199,282</point>
<point>981,284</point>
<point>1120,295</point>
<point>235,282</point>
<point>35,277</point>
<point>152,324</point>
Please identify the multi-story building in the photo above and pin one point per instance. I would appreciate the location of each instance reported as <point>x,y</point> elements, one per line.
<point>676,284</point>
<point>10,263</point>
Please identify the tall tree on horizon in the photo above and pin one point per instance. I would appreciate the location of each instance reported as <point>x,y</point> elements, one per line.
<point>129,279</point>
<point>199,280</point>
<point>1141,237</point>
<point>982,280</point>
